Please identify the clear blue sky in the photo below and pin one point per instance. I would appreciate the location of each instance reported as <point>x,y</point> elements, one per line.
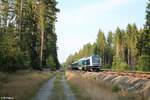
<point>79,21</point>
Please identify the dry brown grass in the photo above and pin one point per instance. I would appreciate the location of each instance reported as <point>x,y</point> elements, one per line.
<point>88,89</point>
<point>21,85</point>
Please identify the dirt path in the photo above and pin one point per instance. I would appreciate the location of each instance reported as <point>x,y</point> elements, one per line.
<point>67,90</point>
<point>45,91</point>
<point>49,89</point>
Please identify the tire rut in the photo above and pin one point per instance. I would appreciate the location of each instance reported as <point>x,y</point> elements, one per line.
<point>45,91</point>
<point>67,90</point>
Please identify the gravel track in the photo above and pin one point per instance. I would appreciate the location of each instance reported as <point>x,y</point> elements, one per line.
<point>69,94</point>
<point>45,91</point>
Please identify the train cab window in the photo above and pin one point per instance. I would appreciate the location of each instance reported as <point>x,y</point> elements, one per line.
<point>96,60</point>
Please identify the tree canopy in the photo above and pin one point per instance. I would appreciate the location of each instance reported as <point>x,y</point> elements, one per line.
<point>27,34</point>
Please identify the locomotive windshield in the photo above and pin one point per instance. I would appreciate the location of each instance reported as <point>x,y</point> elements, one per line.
<point>96,60</point>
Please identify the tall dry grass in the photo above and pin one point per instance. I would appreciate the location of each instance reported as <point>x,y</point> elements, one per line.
<point>21,85</point>
<point>88,89</point>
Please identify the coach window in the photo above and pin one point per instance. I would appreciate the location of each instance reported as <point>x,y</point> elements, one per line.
<point>88,62</point>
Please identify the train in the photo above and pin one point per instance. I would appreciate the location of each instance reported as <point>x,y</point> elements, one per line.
<point>91,63</point>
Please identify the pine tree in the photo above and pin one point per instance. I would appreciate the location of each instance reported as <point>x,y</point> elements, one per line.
<point>101,45</point>
<point>30,26</point>
<point>132,36</point>
<point>119,47</point>
<point>109,49</point>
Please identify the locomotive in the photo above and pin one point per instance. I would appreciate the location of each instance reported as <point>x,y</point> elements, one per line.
<point>91,63</point>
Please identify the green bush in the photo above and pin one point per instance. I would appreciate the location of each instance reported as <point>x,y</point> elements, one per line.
<point>144,63</point>
<point>115,89</point>
<point>11,57</point>
<point>107,66</point>
<point>50,62</point>
<point>119,64</point>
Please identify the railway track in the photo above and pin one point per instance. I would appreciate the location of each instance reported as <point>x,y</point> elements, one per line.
<point>135,74</point>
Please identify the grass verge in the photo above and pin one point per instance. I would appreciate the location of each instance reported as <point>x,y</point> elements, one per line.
<point>91,89</point>
<point>22,85</point>
<point>86,89</point>
<point>76,91</point>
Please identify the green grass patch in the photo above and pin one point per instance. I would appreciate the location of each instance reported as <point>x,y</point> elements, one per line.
<point>115,89</point>
<point>58,90</point>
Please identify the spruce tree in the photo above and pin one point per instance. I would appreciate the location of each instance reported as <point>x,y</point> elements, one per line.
<point>144,42</point>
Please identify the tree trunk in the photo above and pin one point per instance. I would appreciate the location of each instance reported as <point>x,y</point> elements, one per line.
<point>20,20</point>
<point>42,45</point>
<point>129,56</point>
<point>34,54</point>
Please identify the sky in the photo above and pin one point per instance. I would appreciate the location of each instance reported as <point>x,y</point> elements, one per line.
<point>79,21</point>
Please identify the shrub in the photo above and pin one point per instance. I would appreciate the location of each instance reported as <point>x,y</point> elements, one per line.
<point>107,66</point>
<point>11,55</point>
<point>144,63</point>
<point>119,64</point>
<point>115,89</point>
<point>50,62</point>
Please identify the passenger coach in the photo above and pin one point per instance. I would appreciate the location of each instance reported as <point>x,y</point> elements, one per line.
<point>92,63</point>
